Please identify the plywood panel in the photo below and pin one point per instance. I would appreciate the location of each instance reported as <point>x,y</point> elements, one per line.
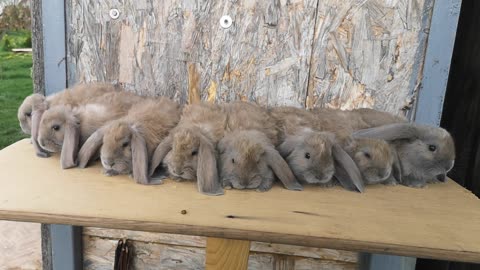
<point>20,246</point>
<point>157,47</point>
<point>198,241</point>
<point>368,53</point>
<point>391,219</point>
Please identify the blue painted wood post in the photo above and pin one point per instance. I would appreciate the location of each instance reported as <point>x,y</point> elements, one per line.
<point>429,104</point>
<point>65,241</point>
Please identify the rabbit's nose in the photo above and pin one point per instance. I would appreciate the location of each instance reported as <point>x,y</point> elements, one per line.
<point>109,163</point>
<point>177,171</point>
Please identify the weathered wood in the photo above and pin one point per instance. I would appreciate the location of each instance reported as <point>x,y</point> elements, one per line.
<point>368,53</point>
<point>224,253</point>
<point>424,223</point>
<point>38,74</point>
<point>157,48</point>
<point>99,255</point>
<point>199,241</point>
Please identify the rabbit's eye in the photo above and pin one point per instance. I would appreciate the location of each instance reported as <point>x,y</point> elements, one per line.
<point>432,147</point>
<point>307,155</point>
<point>56,127</point>
<point>28,114</point>
<point>367,155</point>
<point>233,160</point>
<point>125,144</point>
<point>194,152</point>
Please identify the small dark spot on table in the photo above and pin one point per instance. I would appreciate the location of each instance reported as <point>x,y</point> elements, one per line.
<point>183,212</point>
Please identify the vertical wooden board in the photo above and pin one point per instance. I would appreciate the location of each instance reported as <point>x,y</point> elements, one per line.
<point>227,254</point>
<point>368,53</point>
<point>156,48</point>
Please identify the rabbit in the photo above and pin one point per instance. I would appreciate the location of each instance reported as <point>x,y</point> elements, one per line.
<point>425,153</point>
<point>65,128</point>
<point>189,151</point>
<point>31,110</point>
<point>360,118</point>
<point>248,160</point>
<point>77,95</point>
<point>376,160</point>
<point>127,143</point>
<point>312,149</point>
<point>251,138</point>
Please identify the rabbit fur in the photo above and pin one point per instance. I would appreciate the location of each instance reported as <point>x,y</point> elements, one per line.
<point>65,128</point>
<point>127,144</point>
<point>250,139</point>
<point>425,153</point>
<point>189,151</point>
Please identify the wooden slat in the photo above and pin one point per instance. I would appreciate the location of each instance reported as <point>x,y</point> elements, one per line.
<point>99,253</point>
<point>384,219</point>
<point>199,241</point>
<point>227,254</point>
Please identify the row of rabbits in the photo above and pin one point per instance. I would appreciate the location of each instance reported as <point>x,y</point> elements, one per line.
<point>235,145</point>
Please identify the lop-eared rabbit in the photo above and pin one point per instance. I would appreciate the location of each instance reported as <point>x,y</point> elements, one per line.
<point>127,144</point>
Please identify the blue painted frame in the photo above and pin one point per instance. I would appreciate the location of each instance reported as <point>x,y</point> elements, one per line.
<point>66,241</point>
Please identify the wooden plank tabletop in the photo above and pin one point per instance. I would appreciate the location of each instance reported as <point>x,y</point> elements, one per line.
<point>441,221</point>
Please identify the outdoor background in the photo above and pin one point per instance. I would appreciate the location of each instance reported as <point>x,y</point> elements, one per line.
<point>20,246</point>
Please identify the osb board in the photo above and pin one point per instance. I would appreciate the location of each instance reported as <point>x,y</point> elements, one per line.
<point>20,246</point>
<point>99,253</point>
<point>368,53</point>
<point>178,48</point>
<point>384,219</point>
<point>199,241</point>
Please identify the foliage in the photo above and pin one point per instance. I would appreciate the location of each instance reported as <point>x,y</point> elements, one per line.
<point>18,39</point>
<point>15,85</point>
<point>14,18</point>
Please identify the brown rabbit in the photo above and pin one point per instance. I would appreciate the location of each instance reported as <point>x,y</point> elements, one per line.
<point>128,143</point>
<point>425,153</point>
<point>31,110</point>
<point>65,128</point>
<point>189,151</point>
<point>312,149</point>
<point>250,139</point>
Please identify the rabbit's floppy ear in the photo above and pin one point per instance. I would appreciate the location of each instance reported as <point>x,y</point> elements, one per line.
<point>90,147</point>
<point>207,172</point>
<point>36,117</point>
<point>71,140</point>
<point>160,152</point>
<point>139,158</point>
<point>388,132</point>
<point>288,145</point>
<point>281,169</point>
<point>346,171</point>
<point>396,167</point>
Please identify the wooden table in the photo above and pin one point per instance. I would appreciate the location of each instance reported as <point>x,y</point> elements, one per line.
<point>441,221</point>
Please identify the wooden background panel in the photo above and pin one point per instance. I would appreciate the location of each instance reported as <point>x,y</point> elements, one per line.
<point>99,254</point>
<point>199,241</point>
<point>368,53</point>
<point>178,48</point>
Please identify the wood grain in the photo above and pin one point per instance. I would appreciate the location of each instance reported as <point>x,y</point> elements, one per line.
<point>174,47</point>
<point>393,220</point>
<point>99,253</point>
<point>226,254</point>
<point>368,53</point>
<point>199,241</point>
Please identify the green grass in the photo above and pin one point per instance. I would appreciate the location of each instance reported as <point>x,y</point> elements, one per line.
<point>15,85</point>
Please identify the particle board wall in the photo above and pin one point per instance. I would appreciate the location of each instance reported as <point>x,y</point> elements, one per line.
<point>305,53</point>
